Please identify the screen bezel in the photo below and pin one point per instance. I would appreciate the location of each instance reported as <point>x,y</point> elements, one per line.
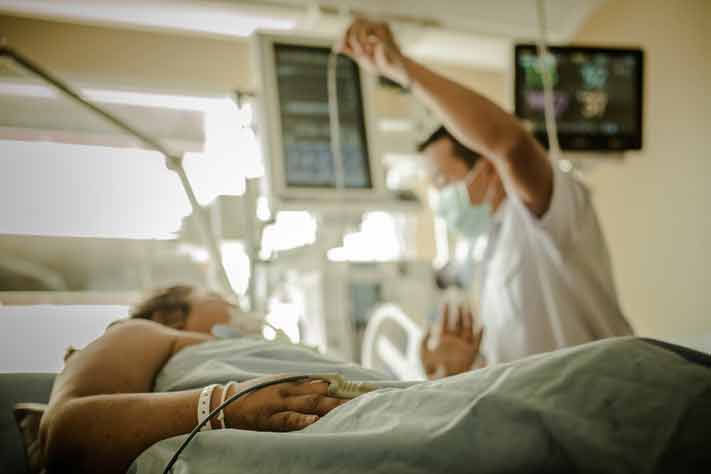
<point>361,129</point>
<point>588,142</point>
<point>270,128</point>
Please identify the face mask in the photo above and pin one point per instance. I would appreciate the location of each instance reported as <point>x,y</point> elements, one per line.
<point>453,205</point>
<point>241,324</point>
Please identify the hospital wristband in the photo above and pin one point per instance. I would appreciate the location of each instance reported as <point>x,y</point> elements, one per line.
<point>203,406</point>
<point>221,415</point>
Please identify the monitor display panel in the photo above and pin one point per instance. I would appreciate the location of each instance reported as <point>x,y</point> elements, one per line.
<point>597,96</point>
<point>302,89</point>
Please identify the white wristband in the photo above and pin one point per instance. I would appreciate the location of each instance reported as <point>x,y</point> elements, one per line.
<point>203,406</point>
<point>221,415</point>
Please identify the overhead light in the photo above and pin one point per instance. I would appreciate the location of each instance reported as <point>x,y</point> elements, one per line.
<point>219,18</point>
<point>165,101</point>
<point>105,96</point>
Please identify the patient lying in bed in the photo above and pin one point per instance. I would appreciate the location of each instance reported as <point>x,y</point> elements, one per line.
<point>127,400</point>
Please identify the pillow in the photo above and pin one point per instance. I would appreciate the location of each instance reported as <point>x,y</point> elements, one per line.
<point>28,416</point>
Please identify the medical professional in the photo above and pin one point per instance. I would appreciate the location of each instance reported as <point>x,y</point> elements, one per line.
<point>546,280</point>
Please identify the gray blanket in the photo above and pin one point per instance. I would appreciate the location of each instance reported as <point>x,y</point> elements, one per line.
<point>617,405</point>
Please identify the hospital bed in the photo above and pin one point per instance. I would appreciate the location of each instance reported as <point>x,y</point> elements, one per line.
<point>17,388</point>
<point>391,339</point>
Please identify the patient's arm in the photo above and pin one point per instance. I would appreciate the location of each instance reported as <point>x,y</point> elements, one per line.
<point>101,414</point>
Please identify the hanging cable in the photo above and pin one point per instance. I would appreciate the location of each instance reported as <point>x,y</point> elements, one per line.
<point>549,299</point>
<point>334,121</point>
<point>547,63</point>
<point>552,310</point>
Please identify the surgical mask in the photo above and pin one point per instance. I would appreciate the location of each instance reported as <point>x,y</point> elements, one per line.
<point>452,204</point>
<point>241,324</point>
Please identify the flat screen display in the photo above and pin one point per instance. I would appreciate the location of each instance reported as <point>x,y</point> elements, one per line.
<point>302,83</point>
<point>597,96</point>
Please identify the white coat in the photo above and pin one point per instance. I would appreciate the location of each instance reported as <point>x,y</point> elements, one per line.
<point>547,283</point>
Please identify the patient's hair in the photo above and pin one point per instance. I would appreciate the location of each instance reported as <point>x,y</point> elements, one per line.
<point>165,300</point>
<point>470,157</point>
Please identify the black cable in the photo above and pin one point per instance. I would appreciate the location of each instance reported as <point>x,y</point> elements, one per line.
<point>196,430</point>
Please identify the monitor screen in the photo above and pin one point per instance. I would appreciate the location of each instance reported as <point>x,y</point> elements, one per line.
<point>302,87</point>
<point>597,96</point>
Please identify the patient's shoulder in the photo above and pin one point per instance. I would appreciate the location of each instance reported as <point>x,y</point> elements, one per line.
<point>142,334</point>
<point>138,334</point>
<point>132,323</point>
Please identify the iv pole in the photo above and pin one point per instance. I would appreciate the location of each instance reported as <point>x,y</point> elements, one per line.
<point>173,162</point>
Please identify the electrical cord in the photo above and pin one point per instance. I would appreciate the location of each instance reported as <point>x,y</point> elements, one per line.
<point>334,121</point>
<point>552,308</point>
<point>292,378</point>
<point>548,98</point>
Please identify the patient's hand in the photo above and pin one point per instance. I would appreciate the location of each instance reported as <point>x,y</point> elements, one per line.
<point>286,406</point>
<point>456,349</point>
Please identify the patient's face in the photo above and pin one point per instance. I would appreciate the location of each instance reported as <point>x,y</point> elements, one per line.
<point>207,310</point>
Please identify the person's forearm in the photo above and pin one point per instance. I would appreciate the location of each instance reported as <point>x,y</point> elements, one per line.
<point>476,121</point>
<point>486,128</point>
<point>105,433</point>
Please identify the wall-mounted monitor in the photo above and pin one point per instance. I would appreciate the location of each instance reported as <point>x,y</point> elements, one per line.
<point>597,96</point>
<point>295,129</point>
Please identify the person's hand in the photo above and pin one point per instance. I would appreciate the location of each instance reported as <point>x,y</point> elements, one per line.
<point>371,44</point>
<point>456,348</point>
<point>288,406</point>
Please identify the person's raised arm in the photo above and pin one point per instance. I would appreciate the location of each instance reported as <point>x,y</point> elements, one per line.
<point>102,413</point>
<point>475,120</point>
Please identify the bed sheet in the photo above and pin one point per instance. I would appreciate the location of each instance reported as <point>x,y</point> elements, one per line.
<point>612,406</point>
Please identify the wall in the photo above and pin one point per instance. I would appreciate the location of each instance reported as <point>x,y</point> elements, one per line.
<point>654,205</point>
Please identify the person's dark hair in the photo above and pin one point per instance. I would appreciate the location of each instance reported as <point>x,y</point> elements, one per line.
<point>165,300</point>
<point>470,157</point>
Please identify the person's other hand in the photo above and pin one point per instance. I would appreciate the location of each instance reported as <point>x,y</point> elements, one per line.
<point>456,348</point>
<point>371,44</point>
<point>288,406</point>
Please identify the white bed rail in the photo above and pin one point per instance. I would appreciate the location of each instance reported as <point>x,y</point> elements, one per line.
<point>405,365</point>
